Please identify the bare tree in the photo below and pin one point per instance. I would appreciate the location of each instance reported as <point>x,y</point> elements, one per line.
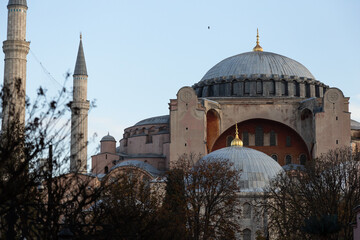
<point>317,201</point>
<point>211,193</point>
<point>127,208</point>
<point>37,198</point>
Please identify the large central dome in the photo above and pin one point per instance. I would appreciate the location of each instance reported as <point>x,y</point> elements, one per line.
<point>258,63</point>
<point>259,74</point>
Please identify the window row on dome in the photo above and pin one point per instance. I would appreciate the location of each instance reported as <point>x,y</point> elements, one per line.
<point>145,131</point>
<point>262,88</point>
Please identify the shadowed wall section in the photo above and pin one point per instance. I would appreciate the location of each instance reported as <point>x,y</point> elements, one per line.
<point>213,129</point>
<point>273,138</point>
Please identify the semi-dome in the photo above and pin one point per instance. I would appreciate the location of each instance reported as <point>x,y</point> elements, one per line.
<point>257,168</point>
<point>257,63</point>
<point>108,138</point>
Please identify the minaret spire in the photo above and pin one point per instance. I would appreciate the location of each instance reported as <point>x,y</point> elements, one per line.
<point>16,49</point>
<point>79,114</point>
<point>257,48</point>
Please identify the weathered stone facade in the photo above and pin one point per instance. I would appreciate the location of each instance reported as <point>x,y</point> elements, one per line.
<point>281,110</point>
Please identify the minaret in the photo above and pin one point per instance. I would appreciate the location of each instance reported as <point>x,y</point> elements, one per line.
<point>16,49</point>
<point>79,115</point>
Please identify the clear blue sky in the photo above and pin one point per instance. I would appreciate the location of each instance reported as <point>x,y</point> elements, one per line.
<point>140,53</point>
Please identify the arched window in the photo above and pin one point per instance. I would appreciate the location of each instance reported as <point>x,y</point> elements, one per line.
<point>211,90</point>
<point>232,92</point>
<point>288,141</point>
<point>307,89</point>
<point>247,210</point>
<point>259,136</point>
<point>317,91</point>
<point>296,89</point>
<point>106,170</point>
<point>245,138</point>
<point>272,87</point>
<point>275,157</point>
<point>246,87</point>
<point>284,88</point>
<point>288,159</point>
<point>303,159</point>
<point>272,138</point>
<point>247,234</point>
<point>229,140</point>
<point>259,87</point>
<point>222,89</point>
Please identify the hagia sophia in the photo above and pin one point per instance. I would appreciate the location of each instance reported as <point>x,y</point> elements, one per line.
<point>283,115</point>
<point>279,106</point>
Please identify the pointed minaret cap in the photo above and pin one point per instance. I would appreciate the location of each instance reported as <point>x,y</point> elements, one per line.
<point>80,66</point>
<point>17,2</point>
<point>257,48</point>
<point>237,141</point>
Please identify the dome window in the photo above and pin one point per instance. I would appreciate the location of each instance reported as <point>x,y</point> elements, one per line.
<point>272,87</point>
<point>317,91</point>
<point>284,88</point>
<point>246,87</point>
<point>259,87</point>
<point>307,90</point>
<point>296,89</point>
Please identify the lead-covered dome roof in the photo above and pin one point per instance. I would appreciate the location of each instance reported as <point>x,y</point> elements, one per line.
<point>259,74</point>
<point>257,168</point>
<point>108,138</point>
<point>256,63</point>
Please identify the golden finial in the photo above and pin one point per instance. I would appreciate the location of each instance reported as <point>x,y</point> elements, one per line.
<point>257,48</point>
<point>237,141</point>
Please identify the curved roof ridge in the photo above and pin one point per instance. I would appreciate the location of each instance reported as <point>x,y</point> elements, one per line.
<point>164,119</point>
<point>250,63</point>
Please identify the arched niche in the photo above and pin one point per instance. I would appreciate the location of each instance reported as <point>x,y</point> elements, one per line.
<point>281,146</point>
<point>212,128</point>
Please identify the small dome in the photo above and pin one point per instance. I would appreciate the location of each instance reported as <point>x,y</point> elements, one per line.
<point>257,168</point>
<point>108,138</point>
<point>257,63</point>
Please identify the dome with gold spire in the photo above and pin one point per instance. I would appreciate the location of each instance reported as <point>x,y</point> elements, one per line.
<point>257,65</point>
<point>257,168</point>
